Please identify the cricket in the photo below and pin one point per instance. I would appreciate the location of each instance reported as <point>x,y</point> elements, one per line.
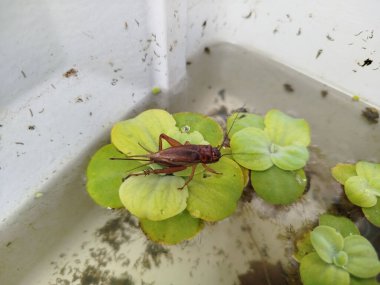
<point>178,157</point>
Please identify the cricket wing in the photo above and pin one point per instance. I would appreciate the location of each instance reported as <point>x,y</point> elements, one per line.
<point>183,155</point>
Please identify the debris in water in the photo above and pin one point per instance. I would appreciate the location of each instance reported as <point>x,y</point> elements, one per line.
<point>356,98</point>
<point>366,62</point>
<point>274,274</point>
<point>248,15</point>
<point>288,88</point>
<point>154,252</point>
<point>204,24</point>
<point>222,94</point>
<point>371,114</point>
<point>324,93</point>
<point>115,231</point>
<point>71,72</point>
<point>156,90</point>
<point>319,53</point>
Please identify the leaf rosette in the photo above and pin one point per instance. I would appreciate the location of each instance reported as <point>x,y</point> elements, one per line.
<point>338,255</point>
<point>274,148</point>
<point>362,186</point>
<point>156,199</point>
<point>281,141</point>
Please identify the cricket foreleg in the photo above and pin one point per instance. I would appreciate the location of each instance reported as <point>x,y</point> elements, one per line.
<point>209,169</point>
<point>190,177</point>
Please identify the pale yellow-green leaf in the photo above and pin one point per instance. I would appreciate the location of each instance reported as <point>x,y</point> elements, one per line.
<point>154,197</point>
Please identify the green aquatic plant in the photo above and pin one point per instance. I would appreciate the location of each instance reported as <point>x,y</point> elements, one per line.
<point>167,213</point>
<point>362,186</point>
<point>274,148</point>
<point>335,253</point>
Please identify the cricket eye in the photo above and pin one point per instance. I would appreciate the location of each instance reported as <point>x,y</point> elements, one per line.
<point>216,153</point>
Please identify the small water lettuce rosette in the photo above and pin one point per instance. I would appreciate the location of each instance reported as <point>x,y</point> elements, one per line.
<point>335,253</point>
<point>362,186</point>
<point>274,148</point>
<point>168,211</point>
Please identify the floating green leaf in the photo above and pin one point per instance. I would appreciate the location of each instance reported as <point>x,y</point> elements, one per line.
<point>144,130</point>
<point>314,271</point>
<point>373,213</point>
<point>209,128</point>
<point>104,176</point>
<point>282,142</point>
<point>327,242</point>
<point>251,149</point>
<point>359,192</point>
<point>342,224</point>
<point>213,197</point>
<point>359,281</point>
<point>290,157</point>
<point>226,151</point>
<point>284,130</point>
<point>173,230</point>
<point>244,120</point>
<point>368,170</point>
<point>194,137</point>
<point>154,197</point>
<point>362,257</point>
<point>342,171</point>
<point>278,186</point>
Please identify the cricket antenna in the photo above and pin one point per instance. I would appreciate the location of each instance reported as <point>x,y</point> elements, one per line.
<point>233,122</point>
<point>134,157</point>
<point>137,167</point>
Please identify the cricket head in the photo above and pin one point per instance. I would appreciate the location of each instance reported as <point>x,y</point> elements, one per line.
<point>209,154</point>
<point>215,154</point>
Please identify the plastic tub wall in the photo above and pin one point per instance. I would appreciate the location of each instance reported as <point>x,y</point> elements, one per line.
<point>51,123</point>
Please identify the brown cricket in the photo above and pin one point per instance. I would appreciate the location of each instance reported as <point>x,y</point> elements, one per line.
<point>178,157</point>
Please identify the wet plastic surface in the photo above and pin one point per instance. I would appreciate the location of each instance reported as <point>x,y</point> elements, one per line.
<point>62,237</point>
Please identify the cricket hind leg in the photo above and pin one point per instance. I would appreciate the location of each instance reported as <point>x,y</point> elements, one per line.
<point>170,140</point>
<point>168,170</point>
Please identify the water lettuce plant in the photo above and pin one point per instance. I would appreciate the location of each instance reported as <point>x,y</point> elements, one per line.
<point>335,253</point>
<point>362,186</point>
<point>274,148</point>
<point>166,213</point>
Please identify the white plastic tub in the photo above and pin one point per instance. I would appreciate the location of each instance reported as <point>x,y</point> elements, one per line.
<point>51,125</point>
